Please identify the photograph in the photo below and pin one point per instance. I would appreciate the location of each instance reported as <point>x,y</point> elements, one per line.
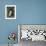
<point>10,11</point>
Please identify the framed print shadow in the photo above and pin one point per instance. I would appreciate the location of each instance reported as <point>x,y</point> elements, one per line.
<point>10,11</point>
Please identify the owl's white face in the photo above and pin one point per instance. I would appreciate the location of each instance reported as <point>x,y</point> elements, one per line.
<point>10,12</point>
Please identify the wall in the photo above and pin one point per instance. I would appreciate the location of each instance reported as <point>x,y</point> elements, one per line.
<point>31,11</point>
<point>6,26</point>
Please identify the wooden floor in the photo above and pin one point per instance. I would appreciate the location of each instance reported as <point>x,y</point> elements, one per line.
<point>9,45</point>
<point>30,43</point>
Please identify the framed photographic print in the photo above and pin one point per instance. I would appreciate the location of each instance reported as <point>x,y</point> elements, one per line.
<point>10,11</point>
